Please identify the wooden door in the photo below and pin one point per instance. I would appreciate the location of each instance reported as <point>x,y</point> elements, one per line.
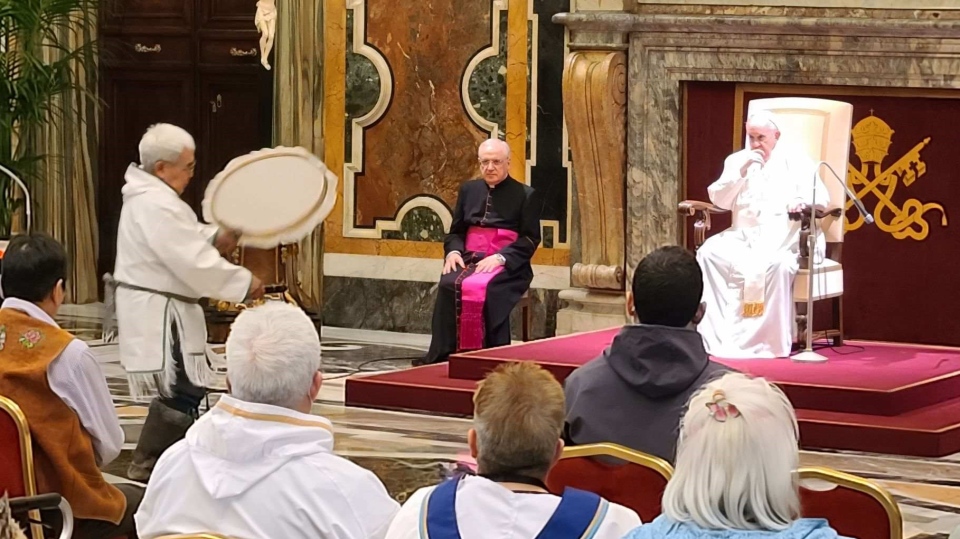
<point>133,101</point>
<point>227,14</point>
<point>135,16</point>
<point>234,119</point>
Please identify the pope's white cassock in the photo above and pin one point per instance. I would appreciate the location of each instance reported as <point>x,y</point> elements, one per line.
<point>255,471</point>
<point>748,269</point>
<point>487,509</point>
<point>166,261</point>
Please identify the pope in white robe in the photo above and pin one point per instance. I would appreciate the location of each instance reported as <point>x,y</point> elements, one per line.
<point>749,269</point>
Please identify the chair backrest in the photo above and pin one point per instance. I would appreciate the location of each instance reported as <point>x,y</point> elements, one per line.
<point>16,451</point>
<point>624,476</point>
<point>853,506</point>
<point>821,129</point>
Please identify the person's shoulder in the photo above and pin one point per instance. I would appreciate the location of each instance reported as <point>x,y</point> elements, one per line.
<point>812,528</point>
<point>622,517</point>
<point>589,371</point>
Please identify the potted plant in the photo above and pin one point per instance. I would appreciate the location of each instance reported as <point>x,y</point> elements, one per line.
<point>42,47</point>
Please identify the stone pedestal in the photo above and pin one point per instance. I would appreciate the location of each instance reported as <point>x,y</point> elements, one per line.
<point>587,310</point>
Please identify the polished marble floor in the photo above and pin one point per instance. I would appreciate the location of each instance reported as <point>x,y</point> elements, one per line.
<point>408,451</point>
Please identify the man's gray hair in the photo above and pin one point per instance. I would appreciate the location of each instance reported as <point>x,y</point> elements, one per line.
<point>273,352</point>
<point>163,142</point>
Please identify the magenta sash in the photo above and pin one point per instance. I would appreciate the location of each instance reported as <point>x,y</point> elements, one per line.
<point>473,288</point>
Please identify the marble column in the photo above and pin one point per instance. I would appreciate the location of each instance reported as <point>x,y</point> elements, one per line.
<point>594,96</point>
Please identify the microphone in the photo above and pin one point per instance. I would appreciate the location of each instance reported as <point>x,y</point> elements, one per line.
<point>867,218</point>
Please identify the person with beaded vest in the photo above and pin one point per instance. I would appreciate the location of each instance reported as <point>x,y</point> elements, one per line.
<point>57,383</point>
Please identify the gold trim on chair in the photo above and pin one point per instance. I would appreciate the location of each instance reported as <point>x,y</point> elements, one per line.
<point>623,453</point>
<point>859,484</point>
<point>26,458</point>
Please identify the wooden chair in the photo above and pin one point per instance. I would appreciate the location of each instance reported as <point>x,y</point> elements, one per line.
<point>17,473</point>
<point>853,506</point>
<point>621,475</point>
<point>822,128</point>
<point>526,315</point>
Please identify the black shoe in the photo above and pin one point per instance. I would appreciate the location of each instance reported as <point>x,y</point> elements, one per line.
<point>419,362</point>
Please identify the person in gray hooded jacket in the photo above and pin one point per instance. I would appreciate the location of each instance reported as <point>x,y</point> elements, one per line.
<point>636,391</point>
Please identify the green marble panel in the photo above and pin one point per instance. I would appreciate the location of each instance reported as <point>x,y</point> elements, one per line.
<point>487,86</point>
<point>419,224</point>
<point>363,85</point>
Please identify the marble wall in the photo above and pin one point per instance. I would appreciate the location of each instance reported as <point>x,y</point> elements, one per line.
<point>423,86</point>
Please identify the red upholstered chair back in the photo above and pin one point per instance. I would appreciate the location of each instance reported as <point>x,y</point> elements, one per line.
<point>853,506</point>
<point>16,457</point>
<point>629,478</point>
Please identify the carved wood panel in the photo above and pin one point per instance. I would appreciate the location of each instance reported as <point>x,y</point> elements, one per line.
<point>130,16</point>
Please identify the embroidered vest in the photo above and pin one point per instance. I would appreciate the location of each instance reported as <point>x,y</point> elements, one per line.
<point>63,453</point>
<point>577,517</point>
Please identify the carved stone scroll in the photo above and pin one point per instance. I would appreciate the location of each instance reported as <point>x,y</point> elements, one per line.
<point>595,101</point>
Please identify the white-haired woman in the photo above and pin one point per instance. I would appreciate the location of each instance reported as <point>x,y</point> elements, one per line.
<point>735,470</point>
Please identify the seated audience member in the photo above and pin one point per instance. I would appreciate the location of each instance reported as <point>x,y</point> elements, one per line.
<point>636,391</point>
<point>258,465</point>
<point>518,418</point>
<point>55,379</point>
<point>736,468</point>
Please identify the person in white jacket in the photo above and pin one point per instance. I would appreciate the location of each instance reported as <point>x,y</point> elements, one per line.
<point>258,465</point>
<point>518,418</point>
<point>166,261</point>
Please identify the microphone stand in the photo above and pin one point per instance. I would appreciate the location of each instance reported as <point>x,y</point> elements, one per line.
<point>808,355</point>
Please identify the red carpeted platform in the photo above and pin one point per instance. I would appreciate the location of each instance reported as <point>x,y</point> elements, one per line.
<point>877,397</point>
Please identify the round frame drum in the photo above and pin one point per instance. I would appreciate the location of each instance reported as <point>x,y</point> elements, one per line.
<point>272,196</point>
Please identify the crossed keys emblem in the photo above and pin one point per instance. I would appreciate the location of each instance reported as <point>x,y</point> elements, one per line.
<point>872,138</point>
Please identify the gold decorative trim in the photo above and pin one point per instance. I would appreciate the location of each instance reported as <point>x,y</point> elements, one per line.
<point>656,464</point>
<point>273,418</point>
<point>517,64</point>
<point>860,484</point>
<point>26,458</point>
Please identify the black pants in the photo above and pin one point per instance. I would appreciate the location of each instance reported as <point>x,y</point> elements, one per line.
<point>185,397</point>
<point>99,529</point>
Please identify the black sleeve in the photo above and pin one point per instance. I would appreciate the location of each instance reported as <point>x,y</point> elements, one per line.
<point>456,239</point>
<point>521,251</point>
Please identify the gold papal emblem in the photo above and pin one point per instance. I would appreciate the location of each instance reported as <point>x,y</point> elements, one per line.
<point>872,138</point>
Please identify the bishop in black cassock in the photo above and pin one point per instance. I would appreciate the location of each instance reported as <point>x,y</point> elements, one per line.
<point>495,231</point>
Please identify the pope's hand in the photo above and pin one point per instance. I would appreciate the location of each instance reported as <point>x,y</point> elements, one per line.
<point>489,264</point>
<point>256,290</point>
<point>453,260</point>
<point>796,206</point>
<point>754,156</point>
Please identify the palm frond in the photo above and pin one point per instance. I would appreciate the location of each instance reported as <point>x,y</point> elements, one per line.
<point>46,46</point>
